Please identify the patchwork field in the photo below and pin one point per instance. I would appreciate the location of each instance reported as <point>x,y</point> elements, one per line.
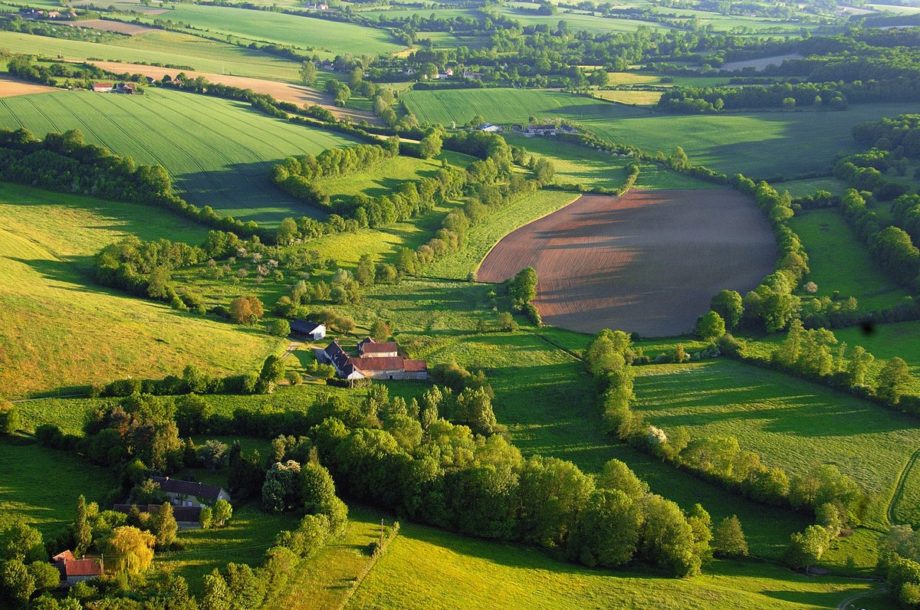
<point>11,87</point>
<point>839,261</point>
<point>648,262</point>
<point>104,25</point>
<point>161,48</point>
<point>791,423</point>
<point>266,26</point>
<point>218,152</point>
<point>759,144</point>
<point>57,329</point>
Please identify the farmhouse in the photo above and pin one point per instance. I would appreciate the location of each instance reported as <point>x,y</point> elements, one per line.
<point>75,570</point>
<point>490,128</point>
<point>102,87</point>
<point>190,493</point>
<point>375,360</point>
<point>306,328</point>
<point>547,130</point>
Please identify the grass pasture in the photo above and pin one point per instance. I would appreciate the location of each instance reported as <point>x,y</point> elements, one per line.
<point>432,569</point>
<point>792,423</point>
<point>266,26</point>
<point>630,97</point>
<point>218,152</point>
<point>37,485</point>
<point>58,329</point>
<point>839,261</point>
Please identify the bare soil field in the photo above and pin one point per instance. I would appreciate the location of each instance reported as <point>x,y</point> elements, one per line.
<point>10,86</point>
<point>759,64</point>
<point>104,25</point>
<point>648,262</point>
<point>284,92</point>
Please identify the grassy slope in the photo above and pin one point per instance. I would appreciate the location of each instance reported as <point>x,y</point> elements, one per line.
<point>429,568</point>
<point>42,488</point>
<point>840,261</point>
<point>304,32</point>
<point>161,47</point>
<point>576,21</point>
<point>791,423</point>
<point>219,152</point>
<point>58,329</point>
<point>760,144</point>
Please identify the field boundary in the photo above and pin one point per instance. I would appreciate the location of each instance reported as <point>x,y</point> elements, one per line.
<point>392,532</point>
<point>899,488</point>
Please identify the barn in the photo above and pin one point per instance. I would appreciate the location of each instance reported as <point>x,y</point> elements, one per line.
<point>306,328</point>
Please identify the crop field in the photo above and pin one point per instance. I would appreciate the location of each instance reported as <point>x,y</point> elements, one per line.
<point>11,87</point>
<point>580,21</point>
<point>266,26</point>
<point>648,262</point>
<point>429,568</point>
<point>630,97</point>
<point>759,63</point>
<point>792,423</point>
<point>57,329</point>
<point>839,261</point>
<point>218,152</point>
<point>40,487</point>
<point>161,48</point>
<point>104,25</point>
<point>758,144</point>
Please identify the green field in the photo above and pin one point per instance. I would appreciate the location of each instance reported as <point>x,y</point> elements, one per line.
<point>839,261</point>
<point>792,423</point>
<point>163,48</point>
<point>809,186</point>
<point>219,152</point>
<point>41,488</point>
<point>266,26</point>
<point>579,21</point>
<point>58,329</point>
<point>887,341</point>
<point>428,568</point>
<point>759,144</point>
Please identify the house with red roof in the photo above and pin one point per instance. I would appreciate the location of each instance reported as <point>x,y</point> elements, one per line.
<point>75,570</point>
<point>375,360</point>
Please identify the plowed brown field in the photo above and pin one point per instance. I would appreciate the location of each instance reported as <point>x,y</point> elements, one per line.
<point>648,262</point>
<point>10,86</point>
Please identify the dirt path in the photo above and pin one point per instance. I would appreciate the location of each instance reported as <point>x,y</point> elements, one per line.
<point>283,92</point>
<point>850,602</point>
<point>899,488</point>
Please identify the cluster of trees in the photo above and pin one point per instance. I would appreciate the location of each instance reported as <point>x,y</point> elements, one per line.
<point>21,66</point>
<point>24,567</point>
<point>890,246</point>
<point>900,134</point>
<point>899,564</point>
<point>522,289</point>
<point>780,95</point>
<point>609,359</point>
<point>62,162</point>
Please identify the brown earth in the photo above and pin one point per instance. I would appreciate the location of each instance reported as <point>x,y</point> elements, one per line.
<point>284,92</point>
<point>104,25</point>
<point>10,86</point>
<point>648,262</point>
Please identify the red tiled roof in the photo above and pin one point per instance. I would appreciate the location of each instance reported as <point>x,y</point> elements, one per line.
<point>386,363</point>
<point>63,556</point>
<point>83,567</point>
<point>415,366</point>
<point>377,348</point>
<point>103,85</point>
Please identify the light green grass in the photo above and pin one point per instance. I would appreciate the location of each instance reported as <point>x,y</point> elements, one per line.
<point>887,341</point>
<point>839,261</point>
<point>160,47</point>
<point>759,144</point>
<point>219,152</point>
<point>42,485</point>
<point>428,568</point>
<point>383,178</point>
<point>579,21</point>
<point>59,329</point>
<point>792,423</point>
<point>266,26</point>
<point>809,186</point>
<point>631,97</point>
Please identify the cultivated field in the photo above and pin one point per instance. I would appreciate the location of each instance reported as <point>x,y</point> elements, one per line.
<point>219,152</point>
<point>58,329</point>
<point>839,261</point>
<point>648,262</point>
<point>11,87</point>
<point>285,92</point>
<point>104,25</point>
<point>760,63</point>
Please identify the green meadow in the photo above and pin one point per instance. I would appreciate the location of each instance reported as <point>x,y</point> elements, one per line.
<point>58,329</point>
<point>219,152</point>
<point>840,262</point>
<point>579,21</point>
<point>794,424</point>
<point>279,28</point>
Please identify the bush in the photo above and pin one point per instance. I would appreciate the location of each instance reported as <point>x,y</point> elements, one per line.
<point>280,327</point>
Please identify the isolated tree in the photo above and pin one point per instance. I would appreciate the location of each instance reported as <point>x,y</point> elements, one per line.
<point>163,525</point>
<point>206,518</point>
<point>280,327</point>
<point>710,326</point>
<point>82,531</point>
<point>679,159</point>
<point>221,513</point>
<point>287,231</point>
<point>506,322</point>
<point>544,170</point>
<point>893,380</point>
<point>9,417</point>
<point>523,287</point>
<point>728,539</point>
<point>272,369</point>
<point>308,73</point>
<point>730,306</point>
<point>365,272</point>
<point>380,330</point>
<point>246,310</point>
<point>807,547</point>
<point>131,550</point>
<point>430,145</point>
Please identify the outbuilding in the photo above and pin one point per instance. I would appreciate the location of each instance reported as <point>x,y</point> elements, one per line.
<point>306,328</point>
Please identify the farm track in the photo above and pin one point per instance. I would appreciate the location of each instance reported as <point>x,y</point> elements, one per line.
<point>899,488</point>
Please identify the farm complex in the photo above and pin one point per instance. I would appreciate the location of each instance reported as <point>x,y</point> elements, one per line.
<point>480,304</point>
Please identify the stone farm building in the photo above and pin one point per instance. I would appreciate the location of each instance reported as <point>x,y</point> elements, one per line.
<point>75,570</point>
<point>190,493</point>
<point>306,328</point>
<point>375,360</point>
